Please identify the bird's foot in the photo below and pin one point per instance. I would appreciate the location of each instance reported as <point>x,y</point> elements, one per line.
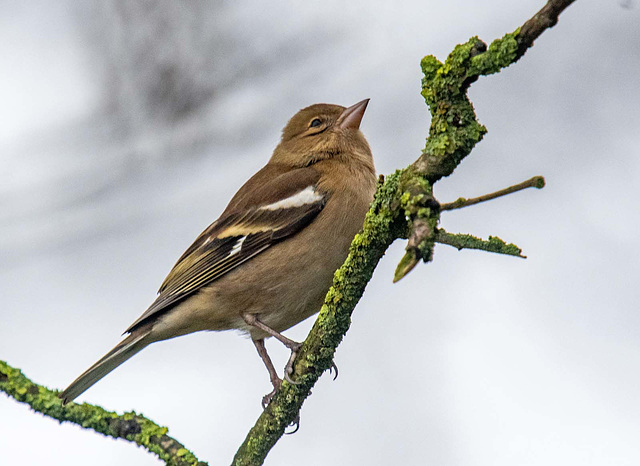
<point>296,425</point>
<point>277,383</point>
<point>288,370</point>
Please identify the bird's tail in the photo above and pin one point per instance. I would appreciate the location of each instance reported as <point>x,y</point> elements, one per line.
<point>128,347</point>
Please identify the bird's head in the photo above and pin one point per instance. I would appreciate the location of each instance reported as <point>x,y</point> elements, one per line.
<point>323,131</point>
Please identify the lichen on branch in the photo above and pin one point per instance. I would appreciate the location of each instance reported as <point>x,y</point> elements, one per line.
<point>465,241</point>
<point>403,207</point>
<point>129,426</point>
<point>453,132</point>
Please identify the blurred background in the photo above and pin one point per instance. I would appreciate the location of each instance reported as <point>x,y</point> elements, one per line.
<point>127,125</point>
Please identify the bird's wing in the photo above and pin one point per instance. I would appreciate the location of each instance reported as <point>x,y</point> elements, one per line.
<point>243,231</point>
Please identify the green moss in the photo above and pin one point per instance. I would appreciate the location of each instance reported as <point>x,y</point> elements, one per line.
<point>430,66</point>
<point>399,204</point>
<point>130,426</point>
<point>383,223</point>
<point>495,244</point>
<point>464,241</point>
<point>454,130</point>
<point>501,53</point>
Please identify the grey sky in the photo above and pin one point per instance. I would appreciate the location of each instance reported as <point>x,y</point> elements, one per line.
<point>474,359</point>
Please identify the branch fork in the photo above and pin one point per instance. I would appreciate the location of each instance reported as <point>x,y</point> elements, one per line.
<point>403,208</point>
<point>424,232</point>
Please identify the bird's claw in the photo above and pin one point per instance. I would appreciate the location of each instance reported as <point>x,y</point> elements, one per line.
<point>332,368</point>
<point>269,396</point>
<point>296,424</point>
<point>288,369</point>
<point>277,383</point>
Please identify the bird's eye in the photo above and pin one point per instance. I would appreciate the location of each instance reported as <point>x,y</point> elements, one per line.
<point>315,123</point>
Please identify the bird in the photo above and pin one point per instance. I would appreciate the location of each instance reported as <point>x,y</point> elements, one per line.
<point>268,261</point>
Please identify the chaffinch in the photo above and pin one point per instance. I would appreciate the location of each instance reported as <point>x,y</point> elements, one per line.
<point>268,261</point>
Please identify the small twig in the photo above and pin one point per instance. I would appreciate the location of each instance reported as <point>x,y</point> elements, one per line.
<point>453,133</point>
<point>420,246</point>
<point>129,426</point>
<point>535,182</point>
<point>464,241</point>
<point>544,19</point>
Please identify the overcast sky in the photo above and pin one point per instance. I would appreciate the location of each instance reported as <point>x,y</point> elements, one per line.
<point>474,359</point>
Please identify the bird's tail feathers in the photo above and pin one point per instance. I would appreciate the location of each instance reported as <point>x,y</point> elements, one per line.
<point>128,347</point>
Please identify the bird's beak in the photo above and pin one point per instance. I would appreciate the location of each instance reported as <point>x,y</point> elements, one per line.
<point>352,116</point>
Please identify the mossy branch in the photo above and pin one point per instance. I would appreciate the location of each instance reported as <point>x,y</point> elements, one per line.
<point>402,201</point>
<point>129,426</point>
<point>404,207</point>
<point>464,241</point>
<point>382,226</point>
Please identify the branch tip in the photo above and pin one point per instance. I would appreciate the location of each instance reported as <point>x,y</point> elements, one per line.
<point>454,132</point>
<point>535,182</point>
<point>493,244</point>
<point>406,265</point>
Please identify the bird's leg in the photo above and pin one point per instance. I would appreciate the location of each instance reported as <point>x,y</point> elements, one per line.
<point>275,381</point>
<point>294,346</point>
<point>273,375</point>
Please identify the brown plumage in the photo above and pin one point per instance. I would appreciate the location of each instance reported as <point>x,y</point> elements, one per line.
<point>267,262</point>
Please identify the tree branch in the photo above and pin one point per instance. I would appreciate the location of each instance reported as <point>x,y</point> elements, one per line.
<point>535,182</point>
<point>403,207</point>
<point>382,226</point>
<point>129,426</point>
<point>493,244</point>
<point>544,19</point>
<point>401,200</point>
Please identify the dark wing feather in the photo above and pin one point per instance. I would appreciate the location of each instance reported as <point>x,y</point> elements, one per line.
<point>230,241</point>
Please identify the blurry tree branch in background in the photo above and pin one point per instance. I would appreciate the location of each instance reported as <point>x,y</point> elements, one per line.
<point>403,207</point>
<point>163,63</point>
